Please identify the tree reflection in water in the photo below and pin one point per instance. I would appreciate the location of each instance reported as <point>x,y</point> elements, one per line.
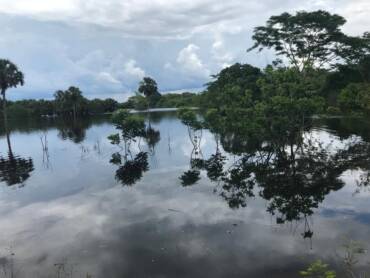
<point>14,169</point>
<point>132,170</point>
<point>130,128</point>
<point>152,138</point>
<point>293,174</point>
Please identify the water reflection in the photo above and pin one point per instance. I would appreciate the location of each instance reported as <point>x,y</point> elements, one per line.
<point>292,176</point>
<point>14,169</point>
<point>131,170</point>
<point>271,200</point>
<point>152,138</point>
<point>73,130</point>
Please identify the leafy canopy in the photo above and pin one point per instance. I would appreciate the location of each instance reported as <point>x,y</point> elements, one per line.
<point>10,75</point>
<point>306,39</point>
<point>148,87</point>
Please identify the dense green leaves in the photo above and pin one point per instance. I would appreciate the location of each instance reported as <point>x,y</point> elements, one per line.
<point>189,118</point>
<point>130,125</point>
<point>10,75</point>
<point>355,98</point>
<point>149,88</point>
<point>70,101</point>
<point>306,39</point>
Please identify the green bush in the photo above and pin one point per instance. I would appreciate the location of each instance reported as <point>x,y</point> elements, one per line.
<point>332,110</point>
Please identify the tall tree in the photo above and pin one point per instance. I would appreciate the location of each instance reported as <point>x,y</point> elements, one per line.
<point>69,100</point>
<point>10,77</point>
<point>149,88</point>
<point>355,51</point>
<point>75,96</point>
<point>306,39</point>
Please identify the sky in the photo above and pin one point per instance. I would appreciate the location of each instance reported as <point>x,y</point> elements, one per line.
<point>107,47</point>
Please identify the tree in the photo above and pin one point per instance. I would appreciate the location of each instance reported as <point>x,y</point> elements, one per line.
<point>130,126</point>
<point>234,85</point>
<point>306,39</point>
<point>70,100</point>
<point>75,96</point>
<point>355,98</point>
<point>149,88</point>
<point>10,77</point>
<point>355,51</point>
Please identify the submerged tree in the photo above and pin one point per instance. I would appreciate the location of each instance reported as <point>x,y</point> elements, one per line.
<point>131,127</point>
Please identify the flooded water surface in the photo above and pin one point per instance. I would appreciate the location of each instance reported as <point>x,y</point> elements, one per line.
<point>177,204</point>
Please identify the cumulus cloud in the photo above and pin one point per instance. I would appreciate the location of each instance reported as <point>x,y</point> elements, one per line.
<point>189,60</point>
<point>132,69</point>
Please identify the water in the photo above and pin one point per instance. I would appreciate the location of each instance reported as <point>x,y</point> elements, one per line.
<point>66,210</point>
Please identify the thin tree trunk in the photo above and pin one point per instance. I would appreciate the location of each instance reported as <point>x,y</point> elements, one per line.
<point>4,111</point>
<point>74,111</point>
<point>5,116</point>
<point>9,144</point>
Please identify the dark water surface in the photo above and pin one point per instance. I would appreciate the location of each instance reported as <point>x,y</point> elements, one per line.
<point>66,209</point>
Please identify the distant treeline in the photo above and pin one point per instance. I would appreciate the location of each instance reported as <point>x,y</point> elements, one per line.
<point>64,105</point>
<point>171,100</point>
<point>49,108</point>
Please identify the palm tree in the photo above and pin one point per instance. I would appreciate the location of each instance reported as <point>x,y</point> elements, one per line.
<point>10,77</point>
<point>149,88</point>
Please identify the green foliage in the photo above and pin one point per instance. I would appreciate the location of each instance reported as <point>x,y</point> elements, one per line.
<point>40,108</point>
<point>70,102</point>
<point>189,118</point>
<point>100,106</point>
<point>114,139</point>
<point>185,99</point>
<point>137,102</point>
<point>354,50</point>
<point>331,110</point>
<point>318,270</point>
<point>286,102</point>
<point>171,100</point>
<point>149,88</point>
<point>235,85</point>
<point>18,111</point>
<point>290,82</point>
<point>355,98</point>
<point>131,126</point>
<point>119,116</point>
<point>10,76</point>
<point>306,39</point>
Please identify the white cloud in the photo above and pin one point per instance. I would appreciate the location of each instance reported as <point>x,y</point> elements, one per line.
<point>220,54</point>
<point>189,60</point>
<point>132,69</point>
<point>106,76</point>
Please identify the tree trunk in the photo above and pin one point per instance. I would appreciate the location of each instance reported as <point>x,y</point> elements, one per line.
<point>4,111</point>
<point>5,116</point>
<point>74,111</point>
